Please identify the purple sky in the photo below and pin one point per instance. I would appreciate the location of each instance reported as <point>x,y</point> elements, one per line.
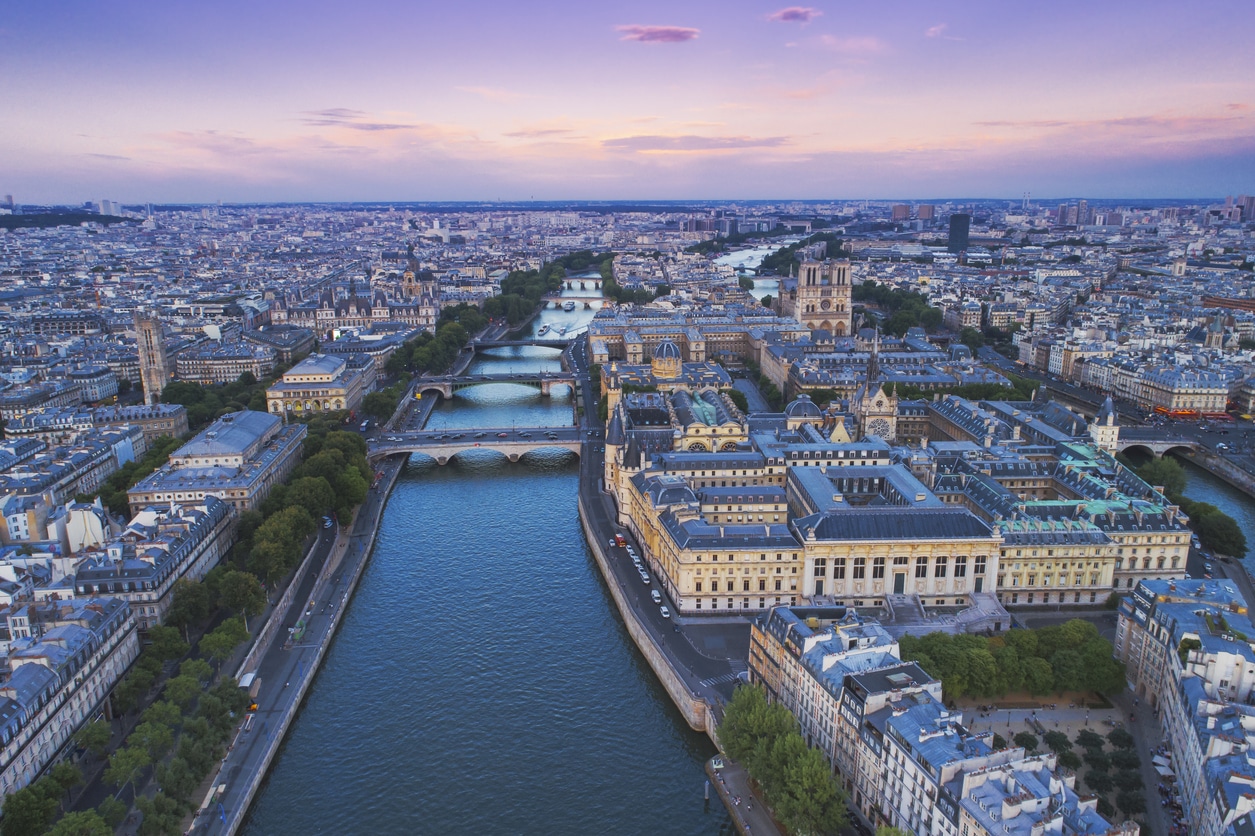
<point>372,100</point>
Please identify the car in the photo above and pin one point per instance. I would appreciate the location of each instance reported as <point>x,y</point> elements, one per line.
<point>1206,567</point>
<point>327,523</point>
<point>503,435</point>
<point>656,595</point>
<point>666,613</point>
<point>644,576</point>
<point>480,435</point>
<point>525,435</point>
<point>610,542</point>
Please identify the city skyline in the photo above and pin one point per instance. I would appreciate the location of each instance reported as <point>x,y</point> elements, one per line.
<point>142,102</point>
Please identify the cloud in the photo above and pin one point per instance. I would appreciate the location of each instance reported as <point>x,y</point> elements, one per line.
<point>657,34</point>
<point>691,142</point>
<point>1237,106</point>
<point>857,45</point>
<point>936,31</point>
<point>795,14</point>
<point>107,156</point>
<point>536,133</point>
<point>343,117</point>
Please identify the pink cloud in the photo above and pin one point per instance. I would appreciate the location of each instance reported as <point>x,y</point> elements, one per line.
<point>795,14</point>
<point>936,31</point>
<point>855,45</point>
<point>691,142</point>
<point>657,34</point>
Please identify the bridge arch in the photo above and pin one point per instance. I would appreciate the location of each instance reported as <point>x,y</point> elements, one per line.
<point>1180,450</point>
<point>1139,450</point>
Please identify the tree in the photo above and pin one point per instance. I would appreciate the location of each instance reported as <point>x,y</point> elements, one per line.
<point>1099,781</point>
<point>27,813</point>
<point>1220,532</point>
<point>154,738</point>
<point>1097,759</point>
<point>112,811</point>
<point>183,690</point>
<point>95,736</point>
<point>1121,739</point>
<point>1069,670</point>
<point>225,639</point>
<point>1131,803</point>
<point>1125,759</point>
<point>125,765</point>
<point>1039,677</point>
<point>1026,740</point>
<point>190,604</point>
<point>972,338</point>
<point>811,801</point>
<point>166,644</point>
<point>885,830</point>
<point>768,300</point>
<point>1165,472</point>
<point>999,742</point>
<point>86,823</point>
<point>242,593</point>
<point>1088,739</point>
<point>1128,780</point>
<point>313,493</point>
<point>1057,741</point>
<point>198,669</point>
<point>1070,760</point>
<point>164,712</point>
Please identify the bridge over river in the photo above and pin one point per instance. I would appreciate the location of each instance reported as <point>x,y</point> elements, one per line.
<point>448,384</point>
<point>1157,441</point>
<point>512,442</point>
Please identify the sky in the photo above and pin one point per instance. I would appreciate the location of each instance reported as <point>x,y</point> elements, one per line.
<point>379,100</point>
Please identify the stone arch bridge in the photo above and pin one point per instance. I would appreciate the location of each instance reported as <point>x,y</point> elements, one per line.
<point>1155,442</point>
<point>448,384</point>
<point>511,442</point>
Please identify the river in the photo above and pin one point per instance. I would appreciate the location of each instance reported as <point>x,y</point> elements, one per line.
<point>746,261</point>
<point>482,680</point>
<point>1202,486</point>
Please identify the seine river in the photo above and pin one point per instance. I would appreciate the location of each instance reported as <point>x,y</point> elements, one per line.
<point>1201,486</point>
<point>481,681</point>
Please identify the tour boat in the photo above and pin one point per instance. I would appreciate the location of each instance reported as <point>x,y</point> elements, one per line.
<point>544,329</point>
<point>568,306</point>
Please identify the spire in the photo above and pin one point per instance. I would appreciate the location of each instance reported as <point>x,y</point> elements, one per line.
<point>873,362</point>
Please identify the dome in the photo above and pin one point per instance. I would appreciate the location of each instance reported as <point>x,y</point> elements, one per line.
<point>803,407</point>
<point>667,350</point>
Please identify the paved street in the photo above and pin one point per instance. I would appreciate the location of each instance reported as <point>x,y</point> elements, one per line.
<point>321,597</point>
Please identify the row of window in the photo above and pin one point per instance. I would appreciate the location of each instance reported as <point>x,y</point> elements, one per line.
<point>940,566</point>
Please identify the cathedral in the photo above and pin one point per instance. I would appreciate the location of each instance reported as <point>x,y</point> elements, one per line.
<point>820,296</point>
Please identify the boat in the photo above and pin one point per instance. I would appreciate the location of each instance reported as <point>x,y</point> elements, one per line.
<point>561,330</point>
<point>568,306</point>
<point>544,329</point>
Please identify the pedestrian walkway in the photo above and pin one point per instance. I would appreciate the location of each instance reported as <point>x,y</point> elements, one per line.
<point>749,813</point>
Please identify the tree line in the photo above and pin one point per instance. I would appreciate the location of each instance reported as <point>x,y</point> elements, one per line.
<point>1064,657</point>
<point>795,778</point>
<point>906,309</point>
<point>1216,530</point>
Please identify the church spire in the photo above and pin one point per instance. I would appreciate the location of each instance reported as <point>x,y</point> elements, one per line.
<point>873,362</point>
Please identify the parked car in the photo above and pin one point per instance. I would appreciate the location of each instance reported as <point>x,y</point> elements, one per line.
<point>666,613</point>
<point>656,595</point>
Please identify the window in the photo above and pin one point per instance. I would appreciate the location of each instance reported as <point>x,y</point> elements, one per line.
<point>980,564</point>
<point>860,568</point>
<point>921,567</point>
<point>838,568</point>
<point>939,568</point>
<point>698,586</point>
<point>878,567</point>
<point>821,567</point>
<point>960,566</point>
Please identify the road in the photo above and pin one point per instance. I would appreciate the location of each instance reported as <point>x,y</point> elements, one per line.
<point>321,598</point>
<point>708,653</point>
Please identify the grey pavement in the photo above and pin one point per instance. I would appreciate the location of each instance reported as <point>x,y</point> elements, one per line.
<point>732,783</point>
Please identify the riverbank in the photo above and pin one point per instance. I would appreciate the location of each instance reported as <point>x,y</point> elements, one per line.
<point>246,764</point>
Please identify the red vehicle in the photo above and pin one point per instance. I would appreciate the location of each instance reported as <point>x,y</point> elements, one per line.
<point>619,541</point>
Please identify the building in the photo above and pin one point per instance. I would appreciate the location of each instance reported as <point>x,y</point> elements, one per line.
<point>65,425</point>
<point>288,342</point>
<point>161,545</point>
<point>154,367</point>
<point>319,383</point>
<point>960,224</point>
<point>64,659</point>
<point>96,381</point>
<point>904,758</point>
<point>1188,651</point>
<point>821,297</point>
<point>224,362</point>
<point>18,401</point>
<point>238,459</point>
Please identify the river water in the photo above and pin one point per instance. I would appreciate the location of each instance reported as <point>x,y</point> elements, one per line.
<point>747,261</point>
<point>482,681</point>
<point>1202,486</point>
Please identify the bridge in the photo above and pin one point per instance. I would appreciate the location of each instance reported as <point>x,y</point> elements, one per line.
<point>1156,441</point>
<point>512,442</point>
<point>478,344</point>
<point>584,283</point>
<point>447,385</point>
<point>558,300</point>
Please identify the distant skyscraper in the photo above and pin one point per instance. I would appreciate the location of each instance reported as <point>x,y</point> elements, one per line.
<point>8,202</point>
<point>154,368</point>
<point>901,212</point>
<point>1082,213</point>
<point>926,212</point>
<point>960,225</point>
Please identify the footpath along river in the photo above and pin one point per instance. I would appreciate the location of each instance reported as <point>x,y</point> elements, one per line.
<point>481,681</point>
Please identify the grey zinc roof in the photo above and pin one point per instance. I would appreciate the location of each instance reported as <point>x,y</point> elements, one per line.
<point>892,523</point>
<point>230,437</point>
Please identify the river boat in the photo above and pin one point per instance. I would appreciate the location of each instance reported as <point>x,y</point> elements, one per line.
<point>568,306</point>
<point>544,329</point>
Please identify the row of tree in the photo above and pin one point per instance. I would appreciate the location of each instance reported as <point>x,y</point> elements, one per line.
<point>783,260</point>
<point>1021,389</point>
<point>1216,530</point>
<point>795,778</point>
<point>435,353</point>
<point>1066,657</point>
<point>721,243</point>
<point>205,403</point>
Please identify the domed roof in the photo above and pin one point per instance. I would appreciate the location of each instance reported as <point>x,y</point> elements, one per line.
<point>667,350</point>
<point>803,407</point>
